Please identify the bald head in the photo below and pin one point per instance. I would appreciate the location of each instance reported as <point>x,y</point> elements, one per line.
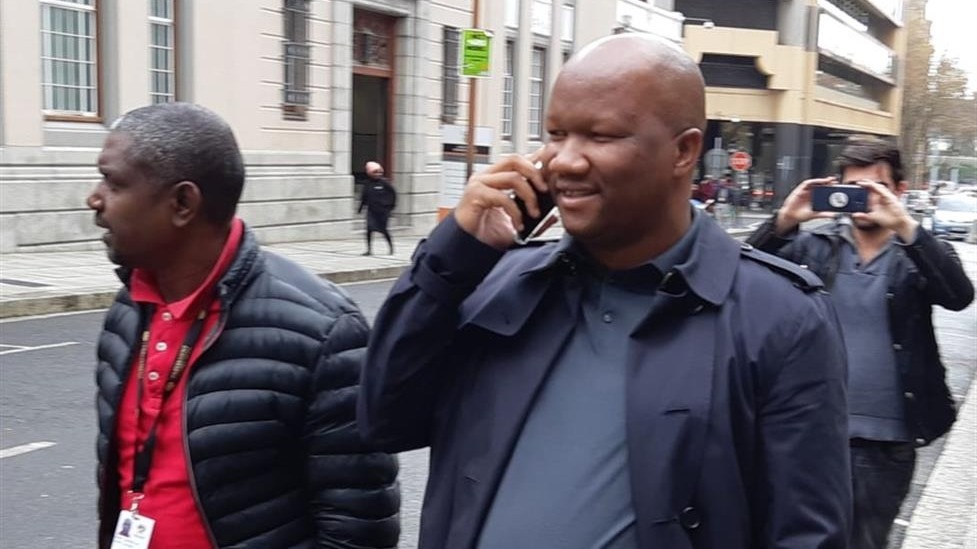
<point>667,80</point>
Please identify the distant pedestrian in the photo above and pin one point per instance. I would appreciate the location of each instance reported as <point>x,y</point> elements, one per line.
<point>227,375</point>
<point>379,198</point>
<point>645,383</point>
<point>885,273</point>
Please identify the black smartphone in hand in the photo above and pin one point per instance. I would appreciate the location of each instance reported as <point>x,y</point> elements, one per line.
<point>547,209</point>
<point>839,198</point>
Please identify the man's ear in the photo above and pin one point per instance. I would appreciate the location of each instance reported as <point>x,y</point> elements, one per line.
<point>186,202</point>
<point>901,187</point>
<point>688,145</point>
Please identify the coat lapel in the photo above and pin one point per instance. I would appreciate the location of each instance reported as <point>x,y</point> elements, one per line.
<point>501,394</point>
<point>668,402</point>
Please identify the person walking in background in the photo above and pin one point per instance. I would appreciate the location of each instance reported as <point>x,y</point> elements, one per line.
<point>379,198</point>
<point>226,375</point>
<point>885,273</point>
<point>645,383</point>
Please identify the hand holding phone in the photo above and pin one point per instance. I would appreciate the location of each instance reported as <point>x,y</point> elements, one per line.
<point>487,209</point>
<point>548,213</point>
<point>839,198</point>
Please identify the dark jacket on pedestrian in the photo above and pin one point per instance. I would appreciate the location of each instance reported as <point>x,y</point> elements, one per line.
<point>378,195</point>
<point>275,457</point>
<point>925,273</point>
<point>735,399</point>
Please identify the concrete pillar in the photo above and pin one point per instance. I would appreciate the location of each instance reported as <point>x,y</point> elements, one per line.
<point>520,79</point>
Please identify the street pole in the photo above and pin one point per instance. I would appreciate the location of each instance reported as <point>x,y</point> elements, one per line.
<point>472,97</point>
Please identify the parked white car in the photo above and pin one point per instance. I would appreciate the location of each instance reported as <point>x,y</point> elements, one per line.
<point>955,215</point>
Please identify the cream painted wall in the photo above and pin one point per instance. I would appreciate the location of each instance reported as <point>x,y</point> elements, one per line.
<point>125,58</point>
<point>228,41</point>
<point>20,75</point>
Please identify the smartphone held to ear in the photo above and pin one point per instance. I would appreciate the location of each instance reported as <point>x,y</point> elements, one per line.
<point>839,198</point>
<point>534,226</point>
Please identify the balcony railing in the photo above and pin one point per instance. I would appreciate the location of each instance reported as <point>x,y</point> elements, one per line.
<point>889,8</point>
<point>642,17</point>
<point>845,39</point>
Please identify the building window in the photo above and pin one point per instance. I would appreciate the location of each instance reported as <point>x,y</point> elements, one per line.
<point>295,95</point>
<point>542,17</point>
<point>69,58</point>
<point>507,89</point>
<point>449,76</point>
<point>569,23</point>
<point>537,87</point>
<point>512,13</point>
<point>162,51</point>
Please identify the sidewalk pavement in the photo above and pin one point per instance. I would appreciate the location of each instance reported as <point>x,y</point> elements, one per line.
<point>33,283</point>
<point>946,515</point>
<point>51,282</point>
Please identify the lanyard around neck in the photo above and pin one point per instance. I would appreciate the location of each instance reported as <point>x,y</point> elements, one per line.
<point>144,457</point>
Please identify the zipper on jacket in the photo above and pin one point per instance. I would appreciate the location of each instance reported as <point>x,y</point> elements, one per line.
<point>146,312</point>
<point>211,338</point>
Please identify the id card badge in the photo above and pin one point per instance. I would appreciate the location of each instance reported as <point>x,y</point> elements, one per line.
<point>132,531</point>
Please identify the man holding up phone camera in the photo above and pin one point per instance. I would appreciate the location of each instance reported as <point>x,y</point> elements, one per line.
<point>645,383</point>
<point>885,272</point>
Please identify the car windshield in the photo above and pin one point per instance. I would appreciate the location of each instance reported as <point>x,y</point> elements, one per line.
<point>959,204</point>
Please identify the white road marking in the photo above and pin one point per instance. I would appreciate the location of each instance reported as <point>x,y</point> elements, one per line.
<point>39,347</point>
<point>25,448</point>
<point>12,346</point>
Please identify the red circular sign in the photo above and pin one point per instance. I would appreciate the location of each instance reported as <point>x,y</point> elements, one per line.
<point>740,161</point>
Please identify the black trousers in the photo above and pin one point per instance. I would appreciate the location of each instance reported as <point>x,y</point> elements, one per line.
<point>376,221</point>
<point>881,475</point>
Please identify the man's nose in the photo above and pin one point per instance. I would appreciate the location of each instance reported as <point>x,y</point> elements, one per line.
<point>94,200</point>
<point>567,157</point>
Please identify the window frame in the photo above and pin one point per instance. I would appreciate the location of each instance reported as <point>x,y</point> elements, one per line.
<point>296,61</point>
<point>58,115</point>
<point>450,75</point>
<point>174,71</point>
<point>508,91</point>
<point>535,81</point>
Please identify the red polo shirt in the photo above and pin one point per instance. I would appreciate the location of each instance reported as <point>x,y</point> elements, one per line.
<point>168,496</point>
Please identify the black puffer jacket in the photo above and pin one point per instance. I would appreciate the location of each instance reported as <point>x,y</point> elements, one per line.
<point>275,456</point>
<point>924,273</point>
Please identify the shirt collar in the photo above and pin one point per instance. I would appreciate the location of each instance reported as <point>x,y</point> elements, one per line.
<point>144,289</point>
<point>703,261</point>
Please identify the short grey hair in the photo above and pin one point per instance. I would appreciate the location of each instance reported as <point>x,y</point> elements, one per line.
<point>174,142</point>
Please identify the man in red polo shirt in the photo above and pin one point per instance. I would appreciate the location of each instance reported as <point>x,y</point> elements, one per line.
<point>227,375</point>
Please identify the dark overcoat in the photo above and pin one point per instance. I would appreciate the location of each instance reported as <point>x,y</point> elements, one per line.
<point>736,413</point>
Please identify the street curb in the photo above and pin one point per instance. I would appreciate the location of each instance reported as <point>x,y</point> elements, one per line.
<point>33,306</point>
<point>364,275</point>
<point>945,513</point>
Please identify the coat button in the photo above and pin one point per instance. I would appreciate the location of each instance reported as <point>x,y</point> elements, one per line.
<point>897,346</point>
<point>920,441</point>
<point>690,518</point>
<point>909,395</point>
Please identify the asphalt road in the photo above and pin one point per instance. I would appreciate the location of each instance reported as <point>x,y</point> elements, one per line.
<point>47,494</point>
<point>47,395</point>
